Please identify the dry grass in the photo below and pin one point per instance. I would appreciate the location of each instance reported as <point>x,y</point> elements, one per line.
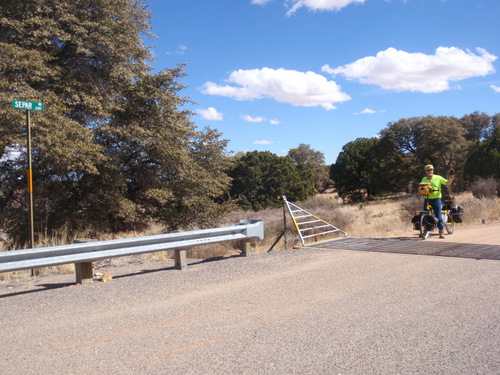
<point>480,210</point>
<point>385,218</point>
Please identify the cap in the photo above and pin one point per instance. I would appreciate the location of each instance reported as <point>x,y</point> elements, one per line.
<point>429,167</point>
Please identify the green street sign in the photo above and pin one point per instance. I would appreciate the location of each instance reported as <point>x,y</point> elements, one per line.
<point>31,106</point>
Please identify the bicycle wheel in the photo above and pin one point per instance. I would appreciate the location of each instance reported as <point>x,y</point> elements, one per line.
<point>424,232</point>
<point>449,223</point>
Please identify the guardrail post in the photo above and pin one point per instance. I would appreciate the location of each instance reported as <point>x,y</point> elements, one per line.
<point>180,259</point>
<point>84,271</point>
<point>244,246</point>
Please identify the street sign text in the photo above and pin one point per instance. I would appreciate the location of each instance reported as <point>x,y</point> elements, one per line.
<point>31,106</point>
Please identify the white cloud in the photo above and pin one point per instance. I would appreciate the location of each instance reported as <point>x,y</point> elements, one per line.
<point>320,4</point>
<point>402,71</point>
<point>285,86</point>
<point>495,88</point>
<point>260,2</point>
<point>275,121</point>
<point>253,119</point>
<point>368,111</point>
<point>180,51</point>
<point>263,142</point>
<point>211,114</point>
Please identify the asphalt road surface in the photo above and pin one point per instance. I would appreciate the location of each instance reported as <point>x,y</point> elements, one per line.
<point>301,311</point>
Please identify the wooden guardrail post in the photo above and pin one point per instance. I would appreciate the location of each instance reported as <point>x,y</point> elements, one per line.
<point>180,259</point>
<point>245,247</point>
<point>84,271</point>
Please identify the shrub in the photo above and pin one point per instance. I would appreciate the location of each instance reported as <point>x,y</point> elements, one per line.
<point>410,206</point>
<point>485,188</point>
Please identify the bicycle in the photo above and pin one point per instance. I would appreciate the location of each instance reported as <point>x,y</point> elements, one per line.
<point>428,221</point>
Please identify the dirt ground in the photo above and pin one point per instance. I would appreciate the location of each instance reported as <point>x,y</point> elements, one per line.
<point>488,234</point>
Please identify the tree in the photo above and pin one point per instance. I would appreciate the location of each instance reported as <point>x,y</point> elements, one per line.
<point>260,179</point>
<point>483,160</point>
<point>436,140</point>
<point>439,141</point>
<point>367,167</point>
<point>315,161</point>
<point>477,126</point>
<point>304,154</point>
<point>113,142</point>
<point>75,57</point>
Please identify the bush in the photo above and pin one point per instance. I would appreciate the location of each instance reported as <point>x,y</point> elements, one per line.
<point>485,188</point>
<point>409,207</point>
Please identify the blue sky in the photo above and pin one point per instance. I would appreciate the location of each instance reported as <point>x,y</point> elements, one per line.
<point>272,74</point>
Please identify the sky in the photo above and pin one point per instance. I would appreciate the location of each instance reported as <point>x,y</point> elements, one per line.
<point>273,74</point>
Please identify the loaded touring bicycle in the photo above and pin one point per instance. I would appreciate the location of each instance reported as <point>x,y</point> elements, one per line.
<point>426,221</point>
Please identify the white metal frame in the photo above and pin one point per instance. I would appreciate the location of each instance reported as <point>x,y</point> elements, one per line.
<point>307,224</point>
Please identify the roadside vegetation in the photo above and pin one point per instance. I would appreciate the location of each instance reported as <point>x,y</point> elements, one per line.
<point>384,218</point>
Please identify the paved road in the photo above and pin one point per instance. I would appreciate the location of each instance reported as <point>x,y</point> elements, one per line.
<point>304,311</point>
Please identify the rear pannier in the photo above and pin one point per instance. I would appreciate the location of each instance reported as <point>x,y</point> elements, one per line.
<point>416,221</point>
<point>457,214</point>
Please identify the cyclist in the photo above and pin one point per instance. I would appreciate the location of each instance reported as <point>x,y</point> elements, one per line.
<point>434,197</point>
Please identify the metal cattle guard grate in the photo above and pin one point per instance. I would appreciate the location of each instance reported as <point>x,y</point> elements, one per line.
<point>413,246</point>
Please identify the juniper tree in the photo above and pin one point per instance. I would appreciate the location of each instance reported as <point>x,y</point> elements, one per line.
<point>483,160</point>
<point>114,147</point>
<point>368,167</point>
<point>315,161</point>
<point>260,179</point>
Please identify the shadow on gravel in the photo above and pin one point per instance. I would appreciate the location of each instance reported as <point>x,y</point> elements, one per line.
<point>146,271</point>
<point>143,272</point>
<point>216,259</point>
<point>37,288</point>
<point>48,286</point>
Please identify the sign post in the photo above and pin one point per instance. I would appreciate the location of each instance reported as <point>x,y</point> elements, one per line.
<point>29,106</point>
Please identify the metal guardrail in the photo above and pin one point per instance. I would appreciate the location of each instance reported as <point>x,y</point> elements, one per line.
<point>83,254</point>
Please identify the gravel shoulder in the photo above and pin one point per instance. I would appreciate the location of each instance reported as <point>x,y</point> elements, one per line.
<point>297,311</point>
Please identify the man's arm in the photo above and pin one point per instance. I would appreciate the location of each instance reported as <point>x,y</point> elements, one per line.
<point>452,177</point>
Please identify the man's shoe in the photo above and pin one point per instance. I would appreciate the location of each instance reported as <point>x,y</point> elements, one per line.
<point>441,234</point>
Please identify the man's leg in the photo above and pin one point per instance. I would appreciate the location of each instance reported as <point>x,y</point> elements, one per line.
<point>436,207</point>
